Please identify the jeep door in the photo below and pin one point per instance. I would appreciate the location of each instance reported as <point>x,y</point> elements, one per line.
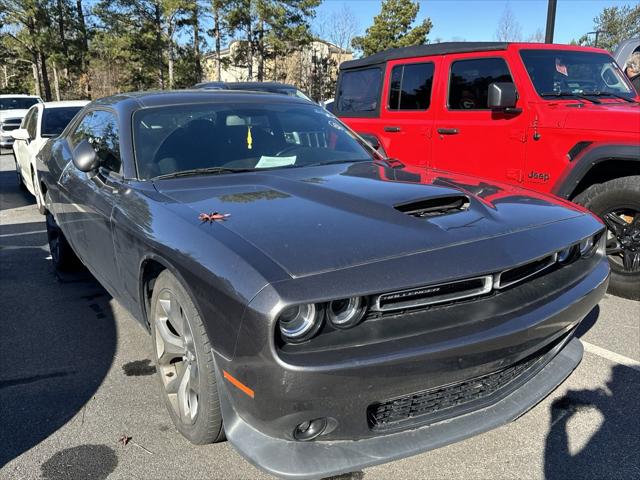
<point>469,137</point>
<point>406,109</point>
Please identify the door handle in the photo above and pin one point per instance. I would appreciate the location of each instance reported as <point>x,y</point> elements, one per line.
<point>390,129</point>
<point>448,131</point>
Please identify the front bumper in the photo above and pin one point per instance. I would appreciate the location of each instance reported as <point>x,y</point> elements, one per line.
<point>464,341</point>
<point>311,460</point>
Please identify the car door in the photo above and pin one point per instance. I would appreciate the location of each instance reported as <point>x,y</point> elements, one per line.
<point>406,112</point>
<point>21,147</point>
<point>92,196</point>
<point>470,137</point>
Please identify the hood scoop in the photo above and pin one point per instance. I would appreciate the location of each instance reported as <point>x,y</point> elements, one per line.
<point>433,207</point>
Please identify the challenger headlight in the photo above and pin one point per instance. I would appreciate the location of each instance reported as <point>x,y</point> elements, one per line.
<point>299,322</point>
<point>566,255</point>
<point>346,312</point>
<point>589,245</point>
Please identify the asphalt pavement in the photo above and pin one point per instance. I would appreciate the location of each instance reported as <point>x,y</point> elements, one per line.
<point>76,377</point>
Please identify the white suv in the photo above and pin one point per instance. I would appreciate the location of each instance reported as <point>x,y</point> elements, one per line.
<point>13,108</point>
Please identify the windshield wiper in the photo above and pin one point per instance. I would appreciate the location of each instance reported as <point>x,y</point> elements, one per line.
<point>203,171</point>
<point>565,93</point>
<point>333,162</point>
<point>598,93</point>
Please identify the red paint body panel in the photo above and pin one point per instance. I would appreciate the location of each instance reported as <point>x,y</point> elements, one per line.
<point>529,148</point>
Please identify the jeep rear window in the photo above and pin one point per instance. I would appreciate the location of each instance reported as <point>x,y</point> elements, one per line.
<point>564,72</point>
<point>470,79</point>
<point>411,86</point>
<point>359,91</point>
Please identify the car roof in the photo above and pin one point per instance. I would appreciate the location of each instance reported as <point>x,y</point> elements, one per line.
<point>65,103</point>
<point>423,51</point>
<point>137,100</point>
<point>249,85</point>
<point>446,48</point>
<point>19,95</point>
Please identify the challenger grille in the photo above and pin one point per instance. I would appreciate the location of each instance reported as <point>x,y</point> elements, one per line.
<point>445,292</point>
<point>522,272</point>
<point>422,406</point>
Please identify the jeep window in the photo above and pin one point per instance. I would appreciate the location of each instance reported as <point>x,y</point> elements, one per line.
<point>359,91</point>
<point>410,87</point>
<point>470,79</point>
<point>567,72</point>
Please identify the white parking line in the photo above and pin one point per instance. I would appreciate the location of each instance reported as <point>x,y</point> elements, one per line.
<point>23,233</point>
<point>612,356</point>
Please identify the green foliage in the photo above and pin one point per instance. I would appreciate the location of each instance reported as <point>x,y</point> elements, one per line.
<point>392,28</point>
<point>616,24</point>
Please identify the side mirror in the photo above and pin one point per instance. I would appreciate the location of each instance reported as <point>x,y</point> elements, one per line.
<point>502,96</point>
<point>21,134</point>
<point>85,157</point>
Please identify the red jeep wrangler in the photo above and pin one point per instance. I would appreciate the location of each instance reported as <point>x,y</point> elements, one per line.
<point>553,118</point>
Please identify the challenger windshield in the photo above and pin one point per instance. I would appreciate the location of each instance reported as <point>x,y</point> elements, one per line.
<point>567,73</point>
<point>227,137</point>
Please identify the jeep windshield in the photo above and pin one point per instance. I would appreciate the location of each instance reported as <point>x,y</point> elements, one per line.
<point>575,74</point>
<point>223,138</point>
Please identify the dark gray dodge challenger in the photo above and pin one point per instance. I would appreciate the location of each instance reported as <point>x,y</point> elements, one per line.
<point>321,306</point>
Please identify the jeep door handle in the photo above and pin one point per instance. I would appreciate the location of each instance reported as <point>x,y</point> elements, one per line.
<point>390,129</point>
<point>448,131</point>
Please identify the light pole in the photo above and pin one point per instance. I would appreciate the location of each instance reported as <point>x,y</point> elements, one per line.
<point>551,21</point>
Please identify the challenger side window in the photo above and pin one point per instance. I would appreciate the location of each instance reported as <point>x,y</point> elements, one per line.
<point>469,82</point>
<point>410,87</point>
<point>100,129</point>
<point>360,91</point>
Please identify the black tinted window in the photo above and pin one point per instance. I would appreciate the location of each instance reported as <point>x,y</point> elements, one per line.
<point>411,86</point>
<point>470,79</point>
<point>359,91</point>
<point>17,103</point>
<point>100,129</point>
<point>54,120</point>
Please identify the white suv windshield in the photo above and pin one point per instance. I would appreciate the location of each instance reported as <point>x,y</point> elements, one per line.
<point>17,103</point>
<point>569,72</point>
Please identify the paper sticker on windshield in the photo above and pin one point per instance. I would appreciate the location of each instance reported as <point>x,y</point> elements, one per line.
<point>271,162</point>
<point>336,125</point>
<point>561,67</point>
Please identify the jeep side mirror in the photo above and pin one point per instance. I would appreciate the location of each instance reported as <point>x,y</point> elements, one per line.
<point>85,157</point>
<point>502,96</point>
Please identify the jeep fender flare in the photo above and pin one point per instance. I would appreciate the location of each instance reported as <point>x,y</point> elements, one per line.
<point>586,160</point>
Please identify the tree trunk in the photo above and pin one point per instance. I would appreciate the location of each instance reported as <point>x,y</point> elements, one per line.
<point>84,57</point>
<point>250,50</point>
<point>159,46</point>
<point>260,35</point>
<point>218,37</point>
<point>196,43</point>
<point>36,77</point>
<point>171,61</point>
<point>63,44</point>
<point>56,83</point>
<point>45,77</point>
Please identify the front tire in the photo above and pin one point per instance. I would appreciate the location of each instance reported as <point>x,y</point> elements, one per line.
<point>36,192</point>
<point>617,203</point>
<point>62,256</point>
<point>185,363</point>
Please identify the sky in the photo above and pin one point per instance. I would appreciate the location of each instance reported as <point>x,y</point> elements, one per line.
<point>476,20</point>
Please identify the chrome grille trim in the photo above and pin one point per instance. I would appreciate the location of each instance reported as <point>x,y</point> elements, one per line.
<point>552,260</point>
<point>487,285</point>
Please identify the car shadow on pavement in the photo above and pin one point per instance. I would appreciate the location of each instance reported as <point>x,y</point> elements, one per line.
<point>13,196</point>
<point>57,341</point>
<point>612,450</point>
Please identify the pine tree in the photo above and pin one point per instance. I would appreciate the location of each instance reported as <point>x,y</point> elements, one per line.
<point>392,28</point>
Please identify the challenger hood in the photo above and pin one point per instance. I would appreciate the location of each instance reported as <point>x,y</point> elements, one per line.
<point>316,219</point>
